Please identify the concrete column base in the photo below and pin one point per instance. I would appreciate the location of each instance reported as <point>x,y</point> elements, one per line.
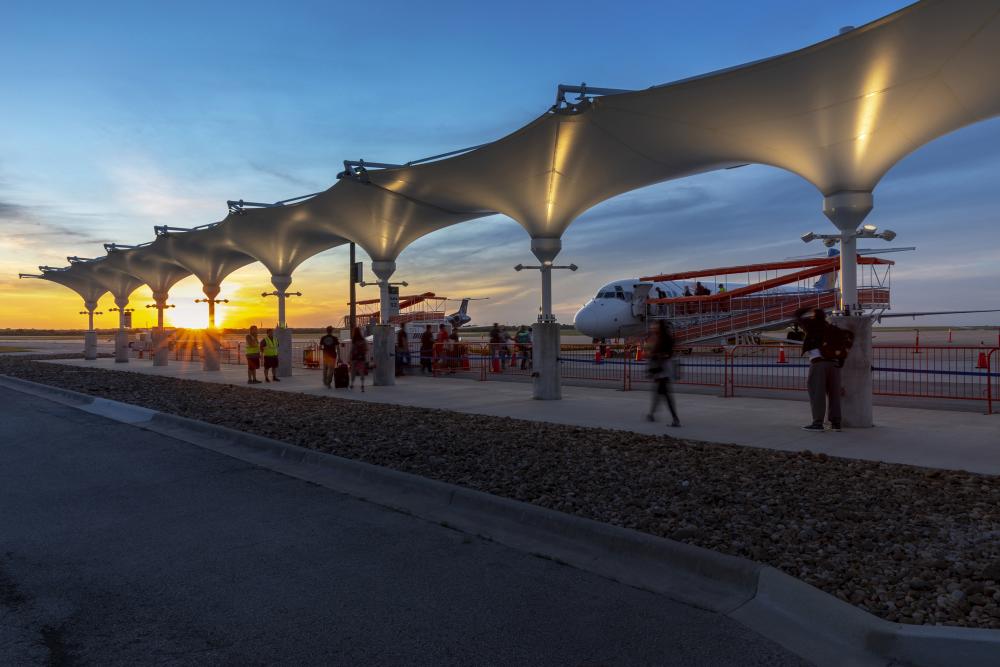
<point>384,353</point>
<point>90,345</point>
<point>545,361</point>
<point>211,346</point>
<point>284,337</point>
<point>121,347</point>
<point>161,351</point>
<point>856,375</point>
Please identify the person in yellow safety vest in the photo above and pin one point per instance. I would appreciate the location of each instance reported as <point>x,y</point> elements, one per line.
<point>252,353</point>
<point>269,348</point>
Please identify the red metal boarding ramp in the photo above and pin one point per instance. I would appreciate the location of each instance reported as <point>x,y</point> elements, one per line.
<point>426,306</point>
<point>756,306</point>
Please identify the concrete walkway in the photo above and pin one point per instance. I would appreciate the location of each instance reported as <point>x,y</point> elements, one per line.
<point>931,438</point>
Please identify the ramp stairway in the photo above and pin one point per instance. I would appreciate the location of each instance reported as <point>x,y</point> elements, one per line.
<point>767,304</point>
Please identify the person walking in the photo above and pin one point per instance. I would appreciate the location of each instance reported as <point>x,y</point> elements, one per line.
<point>824,374</point>
<point>662,369</point>
<point>359,357</point>
<point>427,351</point>
<point>523,340</point>
<point>330,345</point>
<point>496,345</point>
<point>441,345</point>
<point>270,352</point>
<point>402,350</point>
<point>252,353</point>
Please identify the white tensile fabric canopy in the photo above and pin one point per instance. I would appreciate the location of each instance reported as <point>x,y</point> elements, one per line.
<point>79,279</point>
<point>120,284</point>
<point>149,264</point>
<point>839,113</point>
<point>205,252</point>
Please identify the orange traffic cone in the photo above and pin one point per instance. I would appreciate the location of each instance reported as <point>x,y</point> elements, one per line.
<point>638,352</point>
<point>781,355</point>
<point>982,361</point>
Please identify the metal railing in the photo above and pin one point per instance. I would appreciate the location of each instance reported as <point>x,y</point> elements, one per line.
<point>953,372</point>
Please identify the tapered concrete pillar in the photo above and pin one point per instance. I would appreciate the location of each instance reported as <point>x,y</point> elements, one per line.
<point>547,385</point>
<point>211,350</point>
<point>856,375</point>
<point>121,336</point>
<point>384,347</point>
<point>211,343</point>
<point>847,210</point>
<point>90,337</point>
<point>546,378</point>
<point>161,351</point>
<point>282,332</point>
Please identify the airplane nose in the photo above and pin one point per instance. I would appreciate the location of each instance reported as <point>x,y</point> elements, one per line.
<point>585,321</point>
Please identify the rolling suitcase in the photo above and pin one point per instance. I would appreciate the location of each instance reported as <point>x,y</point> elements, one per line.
<point>341,376</point>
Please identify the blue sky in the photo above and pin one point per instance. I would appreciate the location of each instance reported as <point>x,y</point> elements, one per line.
<point>119,116</point>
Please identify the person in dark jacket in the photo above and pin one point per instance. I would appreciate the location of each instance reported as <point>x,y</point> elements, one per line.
<point>402,350</point>
<point>661,369</point>
<point>427,350</point>
<point>824,374</point>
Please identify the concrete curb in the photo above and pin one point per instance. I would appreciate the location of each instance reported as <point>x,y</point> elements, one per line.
<point>803,619</point>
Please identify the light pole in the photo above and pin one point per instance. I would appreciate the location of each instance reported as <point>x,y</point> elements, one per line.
<point>211,301</point>
<point>546,268</point>
<point>848,254</point>
<point>546,382</point>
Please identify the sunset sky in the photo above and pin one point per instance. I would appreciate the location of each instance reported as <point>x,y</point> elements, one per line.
<point>121,116</point>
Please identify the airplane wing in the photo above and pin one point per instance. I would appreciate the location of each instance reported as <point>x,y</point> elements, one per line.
<point>934,312</point>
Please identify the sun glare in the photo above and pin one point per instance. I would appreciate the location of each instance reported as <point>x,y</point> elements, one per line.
<point>192,315</point>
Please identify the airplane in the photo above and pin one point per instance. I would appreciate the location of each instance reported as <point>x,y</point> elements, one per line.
<point>620,308</point>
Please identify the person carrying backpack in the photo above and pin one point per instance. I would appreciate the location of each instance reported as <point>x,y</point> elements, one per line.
<point>330,345</point>
<point>827,346</point>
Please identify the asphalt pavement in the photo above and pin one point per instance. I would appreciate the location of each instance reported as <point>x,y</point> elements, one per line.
<point>121,546</point>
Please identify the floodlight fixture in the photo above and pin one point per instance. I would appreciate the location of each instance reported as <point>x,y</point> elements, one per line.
<point>888,235</point>
<point>809,236</point>
<point>869,227</point>
<point>519,267</point>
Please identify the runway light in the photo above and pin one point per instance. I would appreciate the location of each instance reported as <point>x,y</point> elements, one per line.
<point>869,227</point>
<point>810,236</point>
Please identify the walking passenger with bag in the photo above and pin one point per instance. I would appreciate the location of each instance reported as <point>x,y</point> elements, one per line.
<point>663,371</point>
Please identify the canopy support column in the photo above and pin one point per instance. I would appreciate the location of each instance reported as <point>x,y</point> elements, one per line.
<point>546,381</point>
<point>384,344</point>
<point>283,333</point>
<point>121,336</point>
<point>847,210</point>
<point>211,346</point>
<point>90,338</point>
<point>161,352</point>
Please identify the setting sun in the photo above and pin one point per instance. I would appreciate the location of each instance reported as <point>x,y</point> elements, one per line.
<point>190,315</point>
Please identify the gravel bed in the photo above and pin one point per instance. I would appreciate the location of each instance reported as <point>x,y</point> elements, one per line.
<point>908,544</point>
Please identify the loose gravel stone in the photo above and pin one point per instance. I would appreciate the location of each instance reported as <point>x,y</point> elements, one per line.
<point>908,544</point>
